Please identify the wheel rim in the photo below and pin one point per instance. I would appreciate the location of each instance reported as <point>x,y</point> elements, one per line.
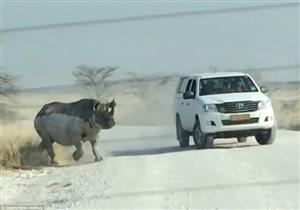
<point>199,136</point>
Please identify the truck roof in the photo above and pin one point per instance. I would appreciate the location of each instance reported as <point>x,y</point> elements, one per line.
<point>216,74</point>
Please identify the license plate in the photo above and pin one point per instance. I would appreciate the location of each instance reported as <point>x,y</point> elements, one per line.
<point>239,117</point>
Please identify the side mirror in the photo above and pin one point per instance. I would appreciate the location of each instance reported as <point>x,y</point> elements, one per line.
<point>263,89</point>
<point>189,95</point>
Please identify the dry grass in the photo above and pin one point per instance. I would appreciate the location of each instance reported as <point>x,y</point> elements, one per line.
<point>19,148</point>
<point>287,114</point>
<point>13,137</point>
<point>286,105</point>
<point>19,141</point>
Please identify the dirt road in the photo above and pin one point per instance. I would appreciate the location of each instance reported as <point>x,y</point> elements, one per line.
<point>144,168</point>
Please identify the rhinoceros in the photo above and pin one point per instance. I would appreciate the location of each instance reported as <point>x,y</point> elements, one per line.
<point>73,123</point>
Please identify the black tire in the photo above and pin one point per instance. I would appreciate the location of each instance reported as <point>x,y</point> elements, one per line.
<point>209,141</point>
<point>182,135</point>
<point>200,138</point>
<point>266,136</point>
<point>242,139</point>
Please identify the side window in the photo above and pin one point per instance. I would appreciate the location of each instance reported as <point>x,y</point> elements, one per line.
<point>193,89</point>
<point>182,86</point>
<point>188,87</point>
<point>250,87</point>
<point>200,87</point>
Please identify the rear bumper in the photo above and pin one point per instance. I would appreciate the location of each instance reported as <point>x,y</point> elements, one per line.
<point>219,123</point>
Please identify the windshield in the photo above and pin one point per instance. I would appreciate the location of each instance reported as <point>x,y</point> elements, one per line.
<point>222,85</point>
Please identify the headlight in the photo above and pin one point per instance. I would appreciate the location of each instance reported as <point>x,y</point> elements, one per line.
<point>264,104</point>
<point>210,108</point>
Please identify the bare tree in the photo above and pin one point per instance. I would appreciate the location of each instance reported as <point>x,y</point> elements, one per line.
<point>93,78</point>
<point>8,89</point>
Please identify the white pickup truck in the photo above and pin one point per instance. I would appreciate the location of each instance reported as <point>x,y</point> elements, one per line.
<point>222,105</point>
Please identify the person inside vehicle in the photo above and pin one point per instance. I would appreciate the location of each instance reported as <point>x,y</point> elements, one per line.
<point>209,88</point>
<point>226,87</point>
<point>237,86</point>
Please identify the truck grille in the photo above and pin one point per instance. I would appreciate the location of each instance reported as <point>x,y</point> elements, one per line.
<point>250,121</point>
<point>238,107</point>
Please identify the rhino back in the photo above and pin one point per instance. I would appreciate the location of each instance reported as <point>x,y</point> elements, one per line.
<point>82,109</point>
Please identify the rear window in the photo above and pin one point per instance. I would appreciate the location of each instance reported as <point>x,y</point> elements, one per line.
<point>223,85</point>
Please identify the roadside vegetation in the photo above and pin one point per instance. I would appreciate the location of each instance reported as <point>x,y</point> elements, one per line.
<point>93,79</point>
<point>20,148</point>
<point>8,91</point>
<point>140,101</point>
<point>286,104</point>
<point>19,143</point>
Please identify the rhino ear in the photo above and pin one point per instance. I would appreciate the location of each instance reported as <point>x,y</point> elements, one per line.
<point>96,106</point>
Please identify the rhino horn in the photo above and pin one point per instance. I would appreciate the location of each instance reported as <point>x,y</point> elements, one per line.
<point>112,104</point>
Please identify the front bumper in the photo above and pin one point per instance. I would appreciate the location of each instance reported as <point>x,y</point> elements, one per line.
<point>215,122</point>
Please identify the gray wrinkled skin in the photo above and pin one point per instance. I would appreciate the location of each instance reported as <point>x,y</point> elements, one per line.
<point>73,123</point>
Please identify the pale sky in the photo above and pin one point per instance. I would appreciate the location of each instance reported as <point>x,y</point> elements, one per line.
<point>176,45</point>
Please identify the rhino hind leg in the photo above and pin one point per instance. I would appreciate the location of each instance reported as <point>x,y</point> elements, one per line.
<point>97,157</point>
<point>47,144</point>
<point>78,152</point>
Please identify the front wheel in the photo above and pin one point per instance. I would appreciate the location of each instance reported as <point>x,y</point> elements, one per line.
<point>182,135</point>
<point>266,136</point>
<point>201,139</point>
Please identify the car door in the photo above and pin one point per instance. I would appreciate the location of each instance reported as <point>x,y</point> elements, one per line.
<point>189,106</point>
<point>185,116</point>
<point>179,96</point>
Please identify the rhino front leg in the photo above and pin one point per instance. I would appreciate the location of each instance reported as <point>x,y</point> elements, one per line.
<point>78,153</point>
<point>97,157</point>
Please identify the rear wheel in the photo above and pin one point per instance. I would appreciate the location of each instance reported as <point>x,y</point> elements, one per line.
<point>242,139</point>
<point>266,136</point>
<point>182,135</point>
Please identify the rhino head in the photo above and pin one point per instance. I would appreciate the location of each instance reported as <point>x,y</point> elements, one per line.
<point>104,114</point>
